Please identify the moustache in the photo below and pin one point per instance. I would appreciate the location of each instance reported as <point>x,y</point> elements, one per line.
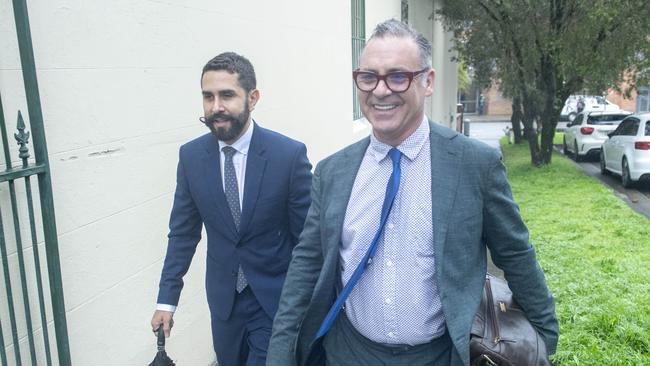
<point>217,116</point>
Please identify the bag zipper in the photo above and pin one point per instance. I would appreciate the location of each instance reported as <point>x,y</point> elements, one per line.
<point>492,313</point>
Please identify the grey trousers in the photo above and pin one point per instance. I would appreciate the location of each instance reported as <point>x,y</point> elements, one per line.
<point>345,346</point>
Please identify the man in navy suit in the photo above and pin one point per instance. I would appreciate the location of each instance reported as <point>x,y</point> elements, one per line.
<point>415,302</point>
<point>249,187</point>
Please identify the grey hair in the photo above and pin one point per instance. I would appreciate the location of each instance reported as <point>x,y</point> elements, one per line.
<point>395,28</point>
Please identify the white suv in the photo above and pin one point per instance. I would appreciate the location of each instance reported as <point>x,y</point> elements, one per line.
<point>591,103</point>
<point>586,134</point>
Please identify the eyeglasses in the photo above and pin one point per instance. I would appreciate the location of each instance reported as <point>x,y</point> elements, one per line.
<point>396,81</point>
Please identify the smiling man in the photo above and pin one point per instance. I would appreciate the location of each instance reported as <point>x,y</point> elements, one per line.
<point>249,187</point>
<point>391,263</point>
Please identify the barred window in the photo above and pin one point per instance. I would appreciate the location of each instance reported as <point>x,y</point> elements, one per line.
<point>358,41</point>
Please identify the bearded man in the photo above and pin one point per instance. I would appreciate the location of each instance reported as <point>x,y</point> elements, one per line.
<point>249,187</point>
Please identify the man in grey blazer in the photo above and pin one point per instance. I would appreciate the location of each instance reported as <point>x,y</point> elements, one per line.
<point>416,300</point>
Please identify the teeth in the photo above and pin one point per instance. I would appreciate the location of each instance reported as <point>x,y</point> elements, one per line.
<point>385,107</point>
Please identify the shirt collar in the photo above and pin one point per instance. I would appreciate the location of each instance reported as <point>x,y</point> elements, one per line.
<point>410,147</point>
<point>243,143</point>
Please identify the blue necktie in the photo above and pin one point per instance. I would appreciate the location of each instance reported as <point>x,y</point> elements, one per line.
<point>232,196</point>
<point>391,192</point>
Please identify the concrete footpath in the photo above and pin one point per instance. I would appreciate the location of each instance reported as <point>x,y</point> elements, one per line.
<point>489,129</point>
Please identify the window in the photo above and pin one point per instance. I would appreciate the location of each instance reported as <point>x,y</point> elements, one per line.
<point>647,128</point>
<point>605,119</point>
<point>628,127</point>
<point>405,11</point>
<point>643,100</point>
<point>358,41</point>
<point>577,121</point>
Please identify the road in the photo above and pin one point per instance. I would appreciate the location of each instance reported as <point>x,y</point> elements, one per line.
<point>638,197</point>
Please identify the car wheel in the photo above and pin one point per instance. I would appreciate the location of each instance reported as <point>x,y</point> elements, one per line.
<point>603,165</point>
<point>565,149</point>
<point>576,156</point>
<point>626,180</point>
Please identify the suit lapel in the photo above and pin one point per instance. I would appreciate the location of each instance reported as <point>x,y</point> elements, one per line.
<point>212,170</point>
<point>343,174</point>
<point>445,173</point>
<point>255,166</point>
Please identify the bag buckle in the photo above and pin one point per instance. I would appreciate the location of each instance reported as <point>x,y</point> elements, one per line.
<point>488,361</point>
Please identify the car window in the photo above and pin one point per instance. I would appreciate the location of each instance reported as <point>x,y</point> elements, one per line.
<point>605,119</point>
<point>631,127</point>
<point>621,127</point>
<point>647,128</point>
<point>577,120</point>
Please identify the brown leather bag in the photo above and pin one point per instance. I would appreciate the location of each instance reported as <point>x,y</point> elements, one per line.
<point>501,334</point>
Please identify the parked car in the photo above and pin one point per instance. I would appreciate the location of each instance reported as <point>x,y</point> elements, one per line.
<point>585,135</point>
<point>575,104</point>
<point>627,151</point>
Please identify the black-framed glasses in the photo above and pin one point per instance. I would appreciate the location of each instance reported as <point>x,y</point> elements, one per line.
<point>396,81</point>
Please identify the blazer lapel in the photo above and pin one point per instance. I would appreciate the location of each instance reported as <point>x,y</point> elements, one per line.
<point>342,176</point>
<point>255,166</point>
<point>445,174</point>
<point>212,171</point>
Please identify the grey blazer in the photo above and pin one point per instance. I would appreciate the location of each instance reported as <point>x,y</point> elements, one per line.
<point>472,208</point>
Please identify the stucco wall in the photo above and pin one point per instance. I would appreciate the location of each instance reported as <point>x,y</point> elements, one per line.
<point>119,84</point>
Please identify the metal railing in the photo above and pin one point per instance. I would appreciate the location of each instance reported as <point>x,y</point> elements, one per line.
<point>18,303</point>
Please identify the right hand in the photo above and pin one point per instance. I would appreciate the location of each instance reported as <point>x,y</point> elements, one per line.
<point>164,318</point>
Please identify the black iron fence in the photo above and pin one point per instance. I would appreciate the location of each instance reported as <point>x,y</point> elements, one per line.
<point>27,313</point>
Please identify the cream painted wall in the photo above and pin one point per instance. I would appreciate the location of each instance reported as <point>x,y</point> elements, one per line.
<point>119,85</point>
<point>441,106</point>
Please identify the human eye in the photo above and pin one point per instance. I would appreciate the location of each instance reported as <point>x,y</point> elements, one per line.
<point>397,78</point>
<point>367,78</point>
<point>226,94</point>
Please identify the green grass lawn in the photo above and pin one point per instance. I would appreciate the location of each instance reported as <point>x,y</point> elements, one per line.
<point>595,252</point>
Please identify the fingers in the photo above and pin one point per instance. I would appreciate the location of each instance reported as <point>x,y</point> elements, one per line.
<point>164,318</point>
<point>167,326</point>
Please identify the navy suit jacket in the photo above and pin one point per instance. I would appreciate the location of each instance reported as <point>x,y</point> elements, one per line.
<point>275,202</point>
<point>472,209</point>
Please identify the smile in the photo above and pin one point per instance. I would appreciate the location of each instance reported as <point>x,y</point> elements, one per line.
<point>384,107</point>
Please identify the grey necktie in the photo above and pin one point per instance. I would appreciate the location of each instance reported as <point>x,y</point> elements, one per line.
<point>231,190</point>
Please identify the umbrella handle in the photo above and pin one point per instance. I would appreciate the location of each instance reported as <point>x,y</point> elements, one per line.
<point>161,338</point>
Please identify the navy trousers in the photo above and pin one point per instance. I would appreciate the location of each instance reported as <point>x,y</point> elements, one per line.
<point>242,340</point>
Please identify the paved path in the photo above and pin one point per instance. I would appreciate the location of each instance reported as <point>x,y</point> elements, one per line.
<point>489,132</point>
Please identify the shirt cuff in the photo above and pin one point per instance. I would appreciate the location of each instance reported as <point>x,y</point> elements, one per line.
<point>166,307</point>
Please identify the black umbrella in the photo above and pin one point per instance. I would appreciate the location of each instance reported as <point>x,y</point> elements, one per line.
<point>161,357</point>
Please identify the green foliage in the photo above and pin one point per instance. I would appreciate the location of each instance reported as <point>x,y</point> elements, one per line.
<point>543,51</point>
<point>595,252</point>
<point>464,81</point>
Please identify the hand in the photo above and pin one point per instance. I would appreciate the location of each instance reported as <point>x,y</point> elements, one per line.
<point>164,318</point>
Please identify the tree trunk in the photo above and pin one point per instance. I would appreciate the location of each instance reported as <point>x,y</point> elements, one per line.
<point>530,131</point>
<point>515,119</point>
<point>548,115</point>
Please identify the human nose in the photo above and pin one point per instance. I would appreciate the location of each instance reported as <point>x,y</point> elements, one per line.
<point>382,89</point>
<point>216,106</point>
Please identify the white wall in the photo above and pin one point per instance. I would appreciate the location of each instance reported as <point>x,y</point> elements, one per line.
<point>441,106</point>
<point>119,85</point>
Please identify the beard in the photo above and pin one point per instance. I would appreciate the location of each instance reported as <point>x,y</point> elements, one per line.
<point>231,132</point>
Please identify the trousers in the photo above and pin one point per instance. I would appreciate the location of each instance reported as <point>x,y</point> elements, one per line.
<point>345,346</point>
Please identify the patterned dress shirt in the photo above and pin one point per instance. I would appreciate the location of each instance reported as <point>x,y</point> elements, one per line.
<point>396,301</point>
